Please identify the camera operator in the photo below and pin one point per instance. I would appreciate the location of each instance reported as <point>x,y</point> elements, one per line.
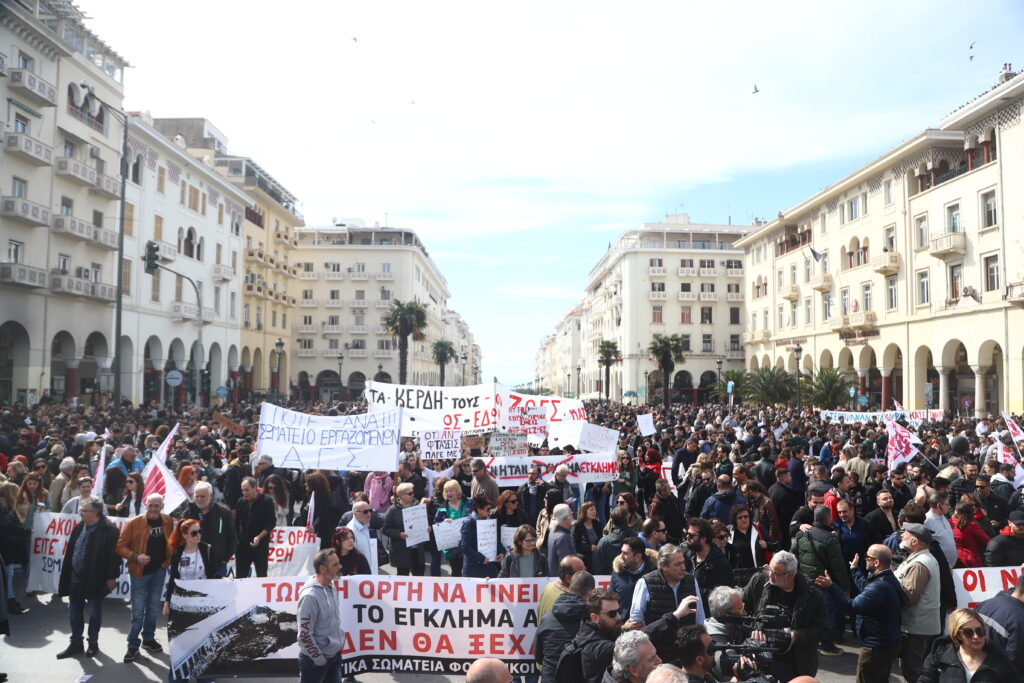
<point>694,659</point>
<point>723,601</point>
<point>782,585</point>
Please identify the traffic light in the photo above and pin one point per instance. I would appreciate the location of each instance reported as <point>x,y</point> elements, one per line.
<point>152,256</point>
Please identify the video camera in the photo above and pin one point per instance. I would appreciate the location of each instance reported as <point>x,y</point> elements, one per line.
<point>760,654</point>
<point>773,622</point>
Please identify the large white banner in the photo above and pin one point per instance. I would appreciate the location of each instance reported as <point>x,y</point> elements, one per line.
<point>977,585</point>
<point>291,552</point>
<point>368,443</point>
<point>471,409</point>
<point>584,468</point>
<point>849,416</point>
<point>526,420</point>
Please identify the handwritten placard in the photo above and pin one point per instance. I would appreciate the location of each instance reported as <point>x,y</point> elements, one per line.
<point>646,424</point>
<point>414,521</point>
<point>507,536</point>
<point>443,444</point>
<point>597,439</point>
<point>509,445</point>
<point>487,538</point>
<point>448,534</point>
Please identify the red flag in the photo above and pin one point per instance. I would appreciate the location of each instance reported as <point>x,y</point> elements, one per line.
<point>901,447</point>
<point>160,480</point>
<point>312,507</point>
<point>1015,431</point>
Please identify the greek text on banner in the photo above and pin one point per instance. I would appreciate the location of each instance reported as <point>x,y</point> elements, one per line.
<point>584,468</point>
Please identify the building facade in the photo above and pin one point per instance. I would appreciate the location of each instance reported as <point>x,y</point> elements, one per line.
<point>673,277</point>
<point>59,214</point>
<point>908,273</point>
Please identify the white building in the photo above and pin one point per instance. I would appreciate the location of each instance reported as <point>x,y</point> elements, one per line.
<point>920,285</point>
<point>348,276</point>
<point>59,212</point>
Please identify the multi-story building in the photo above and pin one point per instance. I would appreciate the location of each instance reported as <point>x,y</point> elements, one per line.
<point>269,236</point>
<point>59,214</point>
<point>909,272</point>
<point>674,277</point>
<point>199,235</point>
<point>348,277</point>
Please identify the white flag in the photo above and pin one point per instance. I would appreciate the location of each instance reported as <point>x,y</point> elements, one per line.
<point>161,452</point>
<point>1015,431</point>
<point>901,447</point>
<point>160,480</point>
<point>101,473</point>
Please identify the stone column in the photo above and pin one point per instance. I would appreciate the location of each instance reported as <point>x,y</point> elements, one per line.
<point>157,364</point>
<point>886,387</point>
<point>247,377</point>
<point>71,386</point>
<point>233,374</point>
<point>980,407</point>
<point>943,387</point>
<point>862,382</point>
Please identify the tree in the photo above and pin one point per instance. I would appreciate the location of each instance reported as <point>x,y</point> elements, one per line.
<point>770,386</point>
<point>444,353</point>
<point>608,353</point>
<point>402,321</point>
<point>739,380</point>
<point>826,388</point>
<point>667,350</point>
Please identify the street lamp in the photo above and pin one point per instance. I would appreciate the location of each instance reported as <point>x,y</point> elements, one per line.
<point>647,386</point>
<point>279,348</point>
<point>718,363</point>
<point>341,377</point>
<point>568,382</point>
<point>121,116</point>
<point>380,370</point>
<point>465,358</point>
<point>578,368</point>
<point>798,350</point>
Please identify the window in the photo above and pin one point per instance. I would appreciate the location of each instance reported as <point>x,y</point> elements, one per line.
<point>782,317</point>
<point>331,320</point>
<point>358,343</point>
<point>853,208</point>
<point>657,286</point>
<point>890,293</point>
<point>655,263</point>
<point>26,62</point>
<point>20,124</point>
<point>792,274</point>
<point>273,318</point>
<point>685,315</point>
<point>753,321</point>
<point>656,314</point>
<point>990,217</point>
<point>779,279</point>
<point>129,218</point>
<point>887,192</point>
<point>360,294</point>
<point>734,343</point>
<point>921,230</point>
<point>707,287</point>
<point>334,295</point>
<point>306,344</point>
<point>706,315</point>
<point>284,320</point>
<point>686,263</point>
<point>707,343</point>
<point>245,313</point>
<point>216,300</point>
<point>67,206</point>
<point>158,228</point>
<point>307,295</point>
<point>307,267</point>
<point>686,343</point>
<point>178,286</point>
<point>953,218</point>
<point>126,277</point>
<point>842,214</point>
<point>184,191</point>
<point>863,203</point>
<point>332,344</point>
<point>219,253</point>
<point>733,288</point>
<point>15,251</point>
<point>383,344</point>
<point>220,214</point>
<point>956,280</point>
<point>824,261</point>
<point>385,267</point>
<point>97,218</point>
<point>991,273</point>
<point>807,270</point>
<point>890,238</point>
<point>734,315</point>
<point>792,314</point>
<point>385,294</point>
<point>685,286</point>
<point>360,267</point>
<point>844,301</point>
<point>64,263</point>
<point>359,319</point>
<point>69,149</point>
<point>96,272</point>
<point>821,223</point>
<point>154,286</point>
<point>161,180</point>
<point>924,289</point>
<point>826,306</point>
<point>764,318</point>
<point>19,188</point>
<point>231,304</point>
<point>707,263</point>
<point>865,297</point>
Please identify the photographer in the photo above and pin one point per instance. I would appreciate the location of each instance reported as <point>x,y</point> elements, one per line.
<point>782,585</point>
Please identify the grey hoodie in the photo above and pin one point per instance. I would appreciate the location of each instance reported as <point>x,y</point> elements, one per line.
<point>319,621</point>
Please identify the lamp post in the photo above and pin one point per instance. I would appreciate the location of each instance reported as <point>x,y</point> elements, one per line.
<point>578,369</point>
<point>341,377</point>
<point>798,350</point>
<point>464,363</point>
<point>279,348</point>
<point>647,386</point>
<point>568,382</point>
<point>121,116</point>
<point>718,363</point>
<point>380,370</point>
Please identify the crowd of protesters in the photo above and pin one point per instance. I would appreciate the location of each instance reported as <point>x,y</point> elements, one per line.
<point>737,508</point>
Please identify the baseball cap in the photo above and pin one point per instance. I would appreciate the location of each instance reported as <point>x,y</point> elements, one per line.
<point>919,530</point>
<point>1017,517</point>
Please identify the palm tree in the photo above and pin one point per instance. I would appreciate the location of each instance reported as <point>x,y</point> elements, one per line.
<point>770,386</point>
<point>405,320</point>
<point>739,381</point>
<point>667,350</point>
<point>608,353</point>
<point>826,388</point>
<point>444,353</point>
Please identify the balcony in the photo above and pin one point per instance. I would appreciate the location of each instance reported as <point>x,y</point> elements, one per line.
<point>106,238</point>
<point>385,276</point>
<point>308,275</point>
<point>382,303</point>
<point>686,272</point>
<point>334,275</point>
<point>77,171</point>
<point>757,337</point>
<point>359,303</point>
<point>107,186</point>
<point>21,209</point>
<point>951,244</point>
<point>734,272</point>
<point>254,289</point>
<point>381,329</point>
<point>308,329</point>
<point>334,303</point>
<point>20,274</point>
<point>308,303</point>
<point>657,270</point>
<point>32,87</point>
<point>657,296</point>
<point>75,286</point>
<point>734,296</point>
<point>736,353</point>
<point>333,329</point>
<point>790,292</point>
<point>1015,293</point>
<point>887,263</point>
<point>359,275</point>
<point>839,322</point>
<point>358,353</point>
<point>383,353</point>
<point>167,252</point>
<point>255,256</point>
<point>28,148</point>
<point>358,329</point>
<point>305,353</point>
<point>181,310</point>
<point>750,337</point>
<point>687,296</point>
<point>331,353</point>
<point>863,320</point>
<point>821,282</point>
<point>271,260</point>
<point>282,236</point>
<point>709,296</point>
<point>73,227</point>
<point>222,273</point>
<point>708,272</point>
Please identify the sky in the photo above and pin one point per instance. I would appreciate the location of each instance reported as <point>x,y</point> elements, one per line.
<point>519,139</point>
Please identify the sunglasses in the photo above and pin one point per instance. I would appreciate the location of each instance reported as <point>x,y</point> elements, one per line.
<point>620,502</point>
<point>530,539</point>
<point>722,538</point>
<point>40,467</point>
<point>513,500</point>
<point>195,532</point>
<point>973,632</point>
<point>362,512</point>
<point>475,471</point>
<point>612,613</point>
<point>688,534</point>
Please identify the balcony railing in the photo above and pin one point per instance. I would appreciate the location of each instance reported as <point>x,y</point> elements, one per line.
<point>1015,293</point>
<point>358,353</point>
<point>73,227</point>
<point>381,329</point>
<point>331,353</point>
<point>887,263</point>
<point>686,272</point>
<point>308,275</point>
<point>334,303</point>
<point>358,329</point>
<point>839,322</point>
<point>308,329</point>
<point>359,275</point>
<point>734,272</point>
<point>20,274</point>
<point>78,171</point>
<point>28,148</point>
<point>333,329</point>
<point>106,186</point>
<point>253,216</point>
<point>385,276</point>
<point>382,303</point>
<point>305,353</point>
<point>106,238</point>
<point>359,303</point>
<point>657,296</point>
<point>709,296</point>
<point>862,320</point>
<point>734,296</point>
<point>657,270</point>
<point>687,296</point>
<point>21,209</point>
<point>821,282</point>
<point>33,88</point>
<point>384,353</point>
<point>222,272</point>
<point>167,252</point>
<point>308,303</point>
<point>334,275</point>
<point>790,292</point>
<point>708,272</point>
<point>950,244</point>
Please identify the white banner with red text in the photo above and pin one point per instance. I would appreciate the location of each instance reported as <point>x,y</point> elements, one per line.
<point>849,417</point>
<point>584,468</point>
<point>977,585</point>
<point>291,552</point>
<point>390,624</point>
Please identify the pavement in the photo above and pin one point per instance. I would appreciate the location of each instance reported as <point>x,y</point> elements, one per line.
<point>29,653</point>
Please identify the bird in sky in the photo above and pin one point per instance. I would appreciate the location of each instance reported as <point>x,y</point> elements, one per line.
<point>354,39</point>
<point>971,47</point>
<point>971,58</point>
<point>755,90</point>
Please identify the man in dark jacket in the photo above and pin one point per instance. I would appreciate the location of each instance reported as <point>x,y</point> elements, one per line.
<point>255,519</point>
<point>88,573</point>
<point>700,492</point>
<point>783,584</point>
<point>596,638</point>
<point>611,545</point>
<point>877,609</point>
<point>996,509</point>
<point>764,470</point>
<point>818,551</point>
<point>786,500</point>
<point>720,503</point>
<point>665,505</point>
<point>1007,548</point>
<point>561,624</point>
<point>705,559</point>
<point>531,494</point>
<point>1004,616</point>
<point>660,592</point>
<point>632,564</point>
<point>216,522</point>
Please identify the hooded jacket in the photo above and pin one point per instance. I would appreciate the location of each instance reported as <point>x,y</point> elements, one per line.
<point>1005,550</point>
<point>556,629</point>
<point>719,505</point>
<point>1004,616</point>
<point>596,648</point>
<point>319,621</point>
<point>877,608</point>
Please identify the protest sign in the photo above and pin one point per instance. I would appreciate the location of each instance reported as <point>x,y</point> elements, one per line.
<point>228,425</point>
<point>977,585</point>
<point>414,520</point>
<point>291,552</point>
<point>444,444</point>
<point>487,538</point>
<point>584,468</point>
<point>509,445</point>
<point>470,409</point>
<point>471,442</point>
<point>448,534</point>
<point>367,443</point>
<point>850,417</point>
<point>597,439</point>
<point>526,420</point>
<point>646,424</point>
<point>507,536</point>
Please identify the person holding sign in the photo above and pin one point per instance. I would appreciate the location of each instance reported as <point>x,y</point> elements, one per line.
<point>455,506</point>
<point>525,561</point>
<point>406,560</point>
<point>475,561</point>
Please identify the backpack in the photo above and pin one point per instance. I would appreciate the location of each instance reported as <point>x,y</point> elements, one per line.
<point>570,664</point>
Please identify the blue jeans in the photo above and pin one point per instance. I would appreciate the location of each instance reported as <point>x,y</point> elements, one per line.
<point>76,613</point>
<point>146,602</point>
<point>834,616</point>
<point>311,673</point>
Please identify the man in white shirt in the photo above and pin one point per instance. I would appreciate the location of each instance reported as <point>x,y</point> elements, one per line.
<point>935,521</point>
<point>360,526</point>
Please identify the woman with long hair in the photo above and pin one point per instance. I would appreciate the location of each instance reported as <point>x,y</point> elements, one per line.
<point>551,499</point>
<point>626,481</point>
<point>191,558</point>
<point>585,533</point>
<point>474,563</point>
<point>32,498</point>
<point>187,479</point>
<point>40,467</point>
<point>352,561</point>
<point>508,512</point>
<point>525,560</point>
<point>970,539</point>
<point>747,547</point>
<point>966,654</point>
<point>132,504</point>
<point>453,506</point>
<point>325,516</point>
<point>636,520</point>
<point>378,487</point>
<point>114,480</point>
<point>275,487</point>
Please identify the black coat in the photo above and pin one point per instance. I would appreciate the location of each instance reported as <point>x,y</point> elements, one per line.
<point>102,564</point>
<point>942,665</point>
<point>218,529</point>
<point>13,535</point>
<point>556,629</point>
<point>1004,551</point>
<point>252,517</point>
<point>809,622</point>
<point>394,526</point>
<point>582,542</point>
<point>596,648</point>
<point>210,566</point>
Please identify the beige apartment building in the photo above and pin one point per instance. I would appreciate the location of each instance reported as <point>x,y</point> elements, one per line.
<point>909,272</point>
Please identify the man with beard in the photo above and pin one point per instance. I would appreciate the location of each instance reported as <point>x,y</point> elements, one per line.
<point>884,519</point>
<point>921,618</point>
<point>874,483</point>
<point>701,491</point>
<point>762,509</point>
<point>995,508</point>
<point>966,483</point>
<point>665,506</point>
<point>803,519</point>
<point>786,500</point>
<point>1007,548</point>
<point>705,560</point>
<point>531,494</point>
<point>595,641</point>
<point>561,624</point>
